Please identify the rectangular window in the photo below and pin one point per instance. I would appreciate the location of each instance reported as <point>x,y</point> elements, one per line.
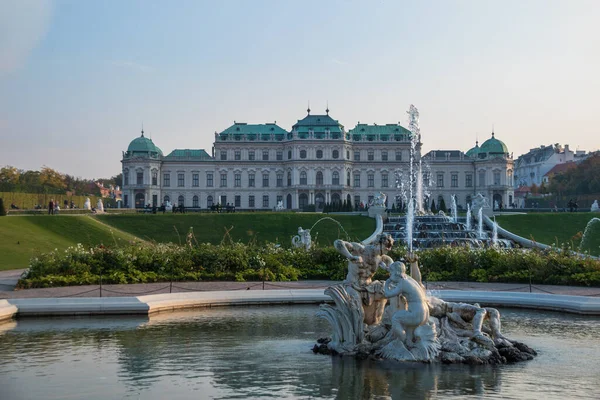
<point>384,180</point>
<point>223,155</point>
<point>195,180</point>
<point>126,201</point>
<point>251,180</point>
<point>384,156</point>
<point>167,180</point>
<point>238,155</point>
<point>180,180</point>
<point>279,199</point>
<point>371,180</point>
<point>356,180</point>
<point>140,178</point>
<point>251,155</point>
<point>209,180</point>
<point>265,155</point>
<point>454,180</point>
<point>303,178</point>
<point>347,154</point>
<point>356,202</point>
<point>356,155</point>
<point>426,179</point>
<point>482,178</point>
<point>155,178</point>
<point>195,202</point>
<point>496,178</point>
<point>266,201</point>
<point>237,180</point>
<point>223,180</point>
<point>279,180</point>
<point>279,155</point>
<point>251,201</point>
<point>440,180</point>
<point>370,155</point>
<point>335,179</point>
<point>398,155</point>
<point>265,180</point>
<point>238,200</point>
<point>469,180</point>
<point>289,179</point>
<point>126,178</point>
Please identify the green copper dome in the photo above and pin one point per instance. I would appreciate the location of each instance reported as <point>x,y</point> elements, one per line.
<point>473,151</point>
<point>143,145</point>
<point>493,147</point>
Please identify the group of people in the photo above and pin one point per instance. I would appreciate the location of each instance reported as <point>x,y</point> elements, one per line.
<point>219,208</point>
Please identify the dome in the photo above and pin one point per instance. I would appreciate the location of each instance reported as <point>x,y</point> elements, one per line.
<point>493,147</point>
<point>473,151</point>
<point>143,145</point>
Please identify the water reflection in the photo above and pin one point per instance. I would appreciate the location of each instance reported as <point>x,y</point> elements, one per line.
<point>265,352</point>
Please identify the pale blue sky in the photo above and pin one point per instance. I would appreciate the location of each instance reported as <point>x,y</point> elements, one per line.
<point>78,77</point>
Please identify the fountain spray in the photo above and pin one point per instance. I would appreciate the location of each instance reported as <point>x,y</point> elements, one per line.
<point>480,222</point>
<point>454,209</point>
<point>468,217</point>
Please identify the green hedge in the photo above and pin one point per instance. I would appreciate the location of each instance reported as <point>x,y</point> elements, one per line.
<point>142,263</point>
<point>27,201</point>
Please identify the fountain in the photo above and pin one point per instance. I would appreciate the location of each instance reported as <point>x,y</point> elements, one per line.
<point>495,234</point>
<point>587,233</point>
<point>454,209</point>
<point>468,223</point>
<point>480,223</point>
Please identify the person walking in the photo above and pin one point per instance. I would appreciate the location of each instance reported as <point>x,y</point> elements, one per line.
<point>51,207</point>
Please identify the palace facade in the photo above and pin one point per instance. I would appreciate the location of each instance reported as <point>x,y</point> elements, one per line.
<point>255,166</point>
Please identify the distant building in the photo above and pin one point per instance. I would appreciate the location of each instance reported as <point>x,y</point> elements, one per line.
<point>558,169</point>
<point>531,167</point>
<point>256,166</point>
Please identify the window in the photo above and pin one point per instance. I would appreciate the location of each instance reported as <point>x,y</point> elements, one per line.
<point>167,180</point>
<point>223,155</point>
<point>237,180</point>
<point>426,179</point>
<point>319,153</point>
<point>370,155</point>
<point>265,155</point>
<point>384,156</point>
<point>348,178</point>
<point>251,201</point>
<point>209,201</point>
<point>238,201</point>
<point>289,178</point>
<point>166,199</point>
<point>335,178</point>
<point>371,180</point>
<point>347,154</point>
<point>126,177</point>
<point>280,180</point>
<point>303,178</point>
<point>195,202</point>
<point>180,200</point>
<point>266,201</point>
<point>223,180</point>
<point>302,153</point>
<point>384,180</point>
<point>356,201</point>
<point>319,178</point>
<point>336,154</point>
<point>180,180</point>
<point>279,199</point>
<point>289,154</point>
<point>139,178</point>
<point>454,180</point>
<point>357,179</point>
<point>496,178</point>
<point>481,178</point>
<point>126,201</point>
<point>251,180</point>
<point>238,155</point>
<point>356,155</point>
<point>398,155</point>
<point>469,180</point>
<point>279,155</point>
<point>209,179</point>
<point>154,178</point>
<point>265,180</point>
<point>195,180</point>
<point>440,180</point>
<point>251,155</point>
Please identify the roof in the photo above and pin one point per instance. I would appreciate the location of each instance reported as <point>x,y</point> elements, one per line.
<point>143,144</point>
<point>388,129</point>
<point>560,168</point>
<point>189,154</point>
<point>318,124</point>
<point>242,128</point>
<point>440,155</point>
<point>473,151</point>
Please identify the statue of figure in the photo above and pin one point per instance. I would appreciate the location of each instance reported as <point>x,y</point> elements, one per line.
<point>279,206</point>
<point>411,337</point>
<point>88,204</point>
<point>595,207</point>
<point>303,238</point>
<point>363,262</point>
<point>100,206</point>
<point>479,202</point>
<point>415,271</point>
<point>379,200</point>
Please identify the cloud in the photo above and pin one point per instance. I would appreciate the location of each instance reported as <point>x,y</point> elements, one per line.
<point>132,65</point>
<point>23,24</point>
<point>338,62</point>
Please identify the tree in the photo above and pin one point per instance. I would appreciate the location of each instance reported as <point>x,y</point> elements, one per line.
<point>433,209</point>
<point>442,205</point>
<point>2,209</point>
<point>52,178</point>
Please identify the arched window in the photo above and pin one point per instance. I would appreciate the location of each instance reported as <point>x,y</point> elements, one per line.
<point>302,153</point>
<point>303,178</point>
<point>289,178</point>
<point>348,178</point>
<point>180,200</point>
<point>335,198</point>
<point>166,199</point>
<point>319,153</point>
<point>209,201</point>
<point>303,198</point>
<point>319,178</point>
<point>195,202</point>
<point>335,178</point>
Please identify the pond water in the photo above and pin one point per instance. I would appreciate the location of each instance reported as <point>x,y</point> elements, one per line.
<point>258,352</point>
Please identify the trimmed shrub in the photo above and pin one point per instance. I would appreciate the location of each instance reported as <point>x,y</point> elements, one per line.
<point>2,209</point>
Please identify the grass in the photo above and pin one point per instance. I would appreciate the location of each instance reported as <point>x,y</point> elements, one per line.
<point>555,228</point>
<point>25,236</point>
<point>245,227</point>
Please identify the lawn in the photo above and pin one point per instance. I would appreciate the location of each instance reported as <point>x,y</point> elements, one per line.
<point>245,227</point>
<point>25,236</point>
<point>555,228</point>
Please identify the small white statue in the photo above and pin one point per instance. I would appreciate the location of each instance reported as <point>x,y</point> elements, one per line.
<point>479,202</point>
<point>279,206</point>
<point>100,206</point>
<point>302,239</point>
<point>168,206</point>
<point>595,207</point>
<point>379,200</point>
<point>88,204</point>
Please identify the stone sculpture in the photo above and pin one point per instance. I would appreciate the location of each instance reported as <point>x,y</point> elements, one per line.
<point>302,239</point>
<point>279,206</point>
<point>88,204</point>
<point>479,202</point>
<point>595,207</point>
<point>100,206</point>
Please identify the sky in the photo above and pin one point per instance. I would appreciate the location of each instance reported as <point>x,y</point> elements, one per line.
<point>78,79</point>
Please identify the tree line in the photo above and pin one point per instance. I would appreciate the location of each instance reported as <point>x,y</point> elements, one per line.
<point>580,180</point>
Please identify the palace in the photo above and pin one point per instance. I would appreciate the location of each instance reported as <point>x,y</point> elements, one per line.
<point>256,166</point>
